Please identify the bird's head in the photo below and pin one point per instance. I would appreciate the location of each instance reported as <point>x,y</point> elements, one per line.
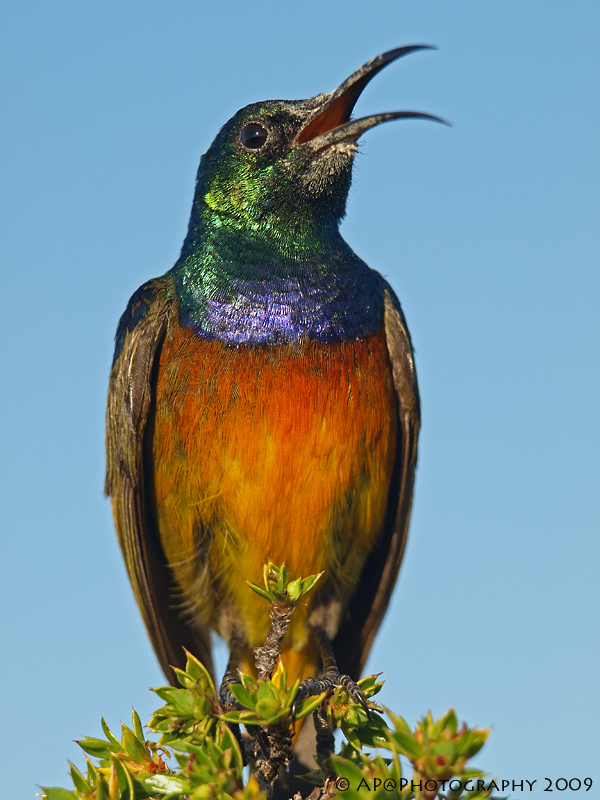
<point>289,163</point>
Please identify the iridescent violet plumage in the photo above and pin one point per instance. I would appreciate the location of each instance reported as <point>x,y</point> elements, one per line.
<point>277,310</point>
<point>257,302</point>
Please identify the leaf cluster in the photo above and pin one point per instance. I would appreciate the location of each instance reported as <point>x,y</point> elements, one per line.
<point>278,589</point>
<point>196,751</point>
<point>435,749</point>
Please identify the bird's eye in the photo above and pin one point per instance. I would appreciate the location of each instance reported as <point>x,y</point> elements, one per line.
<point>253,136</point>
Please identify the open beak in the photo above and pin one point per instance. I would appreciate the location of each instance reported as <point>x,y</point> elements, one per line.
<point>330,123</point>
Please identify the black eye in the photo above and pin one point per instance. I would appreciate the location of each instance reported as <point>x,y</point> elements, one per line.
<point>253,135</point>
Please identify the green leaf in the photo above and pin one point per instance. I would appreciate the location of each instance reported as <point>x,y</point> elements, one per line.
<point>92,771</point>
<point>101,790</point>
<point>370,686</point>
<point>267,708</point>
<point>407,743</point>
<point>266,573</point>
<point>248,682</point>
<point>94,747</point>
<point>55,793</point>
<point>124,775</point>
<point>228,741</point>
<point>294,590</point>
<point>309,705</point>
<point>196,669</point>
<point>348,769</point>
<point>184,679</point>
<point>370,738</point>
<point>308,583</point>
<point>166,783</point>
<point>135,749</point>
<point>79,781</point>
<point>109,734</point>
<point>165,692</point>
<point>473,742</point>
<point>266,690</point>
<point>352,737</point>
<point>259,590</point>
<point>137,725</point>
<point>449,720</point>
<point>283,576</point>
<point>243,696</point>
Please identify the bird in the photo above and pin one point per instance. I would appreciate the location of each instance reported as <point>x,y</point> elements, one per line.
<point>263,401</point>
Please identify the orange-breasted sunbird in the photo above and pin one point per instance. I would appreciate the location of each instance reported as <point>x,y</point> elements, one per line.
<point>263,401</point>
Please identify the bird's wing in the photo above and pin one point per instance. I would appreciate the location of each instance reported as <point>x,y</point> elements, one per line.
<point>370,601</point>
<point>140,335</point>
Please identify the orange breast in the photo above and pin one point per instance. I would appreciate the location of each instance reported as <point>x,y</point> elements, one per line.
<point>281,452</point>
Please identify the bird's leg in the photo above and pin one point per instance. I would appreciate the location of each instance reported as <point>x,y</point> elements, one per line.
<point>236,646</point>
<point>231,675</point>
<point>328,681</point>
<point>330,675</point>
<point>325,738</point>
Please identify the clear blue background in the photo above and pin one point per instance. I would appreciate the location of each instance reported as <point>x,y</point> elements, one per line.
<point>489,233</point>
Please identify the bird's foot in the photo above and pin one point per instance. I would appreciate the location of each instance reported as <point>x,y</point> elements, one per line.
<point>329,682</point>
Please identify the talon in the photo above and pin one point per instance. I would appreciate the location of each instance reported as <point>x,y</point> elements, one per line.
<point>355,693</point>
<point>309,687</point>
<point>294,704</point>
<point>366,708</point>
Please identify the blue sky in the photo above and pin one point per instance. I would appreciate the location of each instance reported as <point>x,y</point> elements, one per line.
<point>489,234</point>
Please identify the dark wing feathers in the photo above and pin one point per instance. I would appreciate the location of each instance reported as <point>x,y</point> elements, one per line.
<point>129,417</point>
<point>370,601</point>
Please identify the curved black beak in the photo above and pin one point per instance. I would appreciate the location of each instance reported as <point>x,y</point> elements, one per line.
<point>330,122</point>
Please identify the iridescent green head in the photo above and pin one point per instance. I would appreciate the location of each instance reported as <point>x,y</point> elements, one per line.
<point>285,165</point>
